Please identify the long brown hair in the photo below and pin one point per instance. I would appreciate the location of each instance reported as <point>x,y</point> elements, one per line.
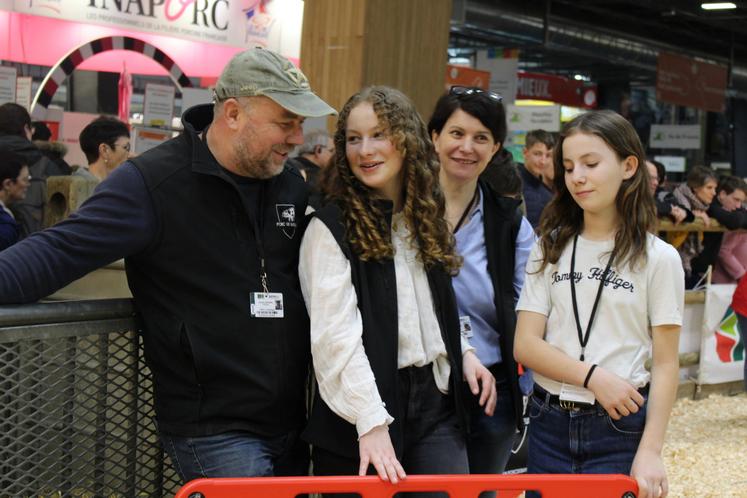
<point>562,218</point>
<point>368,234</point>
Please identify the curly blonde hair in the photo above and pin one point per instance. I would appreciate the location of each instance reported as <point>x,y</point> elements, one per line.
<point>367,231</point>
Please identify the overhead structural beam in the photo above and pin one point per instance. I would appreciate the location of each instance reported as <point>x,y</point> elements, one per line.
<point>521,30</point>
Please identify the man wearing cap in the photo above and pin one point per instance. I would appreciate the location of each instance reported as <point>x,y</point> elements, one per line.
<point>209,224</point>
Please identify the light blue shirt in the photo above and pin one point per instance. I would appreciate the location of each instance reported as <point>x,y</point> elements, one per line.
<point>474,288</point>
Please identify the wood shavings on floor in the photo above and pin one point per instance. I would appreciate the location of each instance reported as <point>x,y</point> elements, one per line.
<point>706,448</point>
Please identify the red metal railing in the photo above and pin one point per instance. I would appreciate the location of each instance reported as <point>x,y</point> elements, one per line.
<point>458,486</point>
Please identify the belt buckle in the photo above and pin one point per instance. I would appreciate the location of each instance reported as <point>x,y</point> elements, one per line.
<point>568,405</point>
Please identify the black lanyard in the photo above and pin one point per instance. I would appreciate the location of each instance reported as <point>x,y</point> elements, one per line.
<point>258,224</point>
<point>583,339</point>
<point>467,210</point>
<point>257,221</point>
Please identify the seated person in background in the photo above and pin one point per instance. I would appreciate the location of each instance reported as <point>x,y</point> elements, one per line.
<point>724,250</point>
<point>537,173</point>
<point>106,144</point>
<point>313,156</point>
<point>14,182</point>
<point>55,151</point>
<point>666,207</point>
<point>695,195</point>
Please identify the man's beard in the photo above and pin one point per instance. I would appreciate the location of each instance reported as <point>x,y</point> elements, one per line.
<point>261,168</point>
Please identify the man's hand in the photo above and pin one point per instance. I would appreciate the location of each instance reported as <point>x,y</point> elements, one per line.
<point>376,449</point>
<point>480,381</point>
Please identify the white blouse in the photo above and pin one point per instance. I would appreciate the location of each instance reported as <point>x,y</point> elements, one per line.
<point>346,382</point>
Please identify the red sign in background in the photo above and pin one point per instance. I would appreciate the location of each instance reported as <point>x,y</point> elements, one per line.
<point>685,81</point>
<point>466,76</point>
<point>557,89</point>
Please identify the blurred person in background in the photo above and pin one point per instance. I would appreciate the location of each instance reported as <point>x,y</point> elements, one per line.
<point>726,208</point>
<point>54,150</point>
<point>536,173</point>
<point>15,135</point>
<point>106,143</point>
<point>314,156</point>
<point>14,182</point>
<point>695,195</point>
<point>666,205</point>
<point>727,252</point>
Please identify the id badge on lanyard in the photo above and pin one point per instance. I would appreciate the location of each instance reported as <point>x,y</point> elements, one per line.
<point>264,304</point>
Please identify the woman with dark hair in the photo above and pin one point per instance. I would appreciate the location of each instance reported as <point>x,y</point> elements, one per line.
<point>14,182</point>
<point>106,144</point>
<point>602,296</point>
<point>468,127</point>
<point>375,270</point>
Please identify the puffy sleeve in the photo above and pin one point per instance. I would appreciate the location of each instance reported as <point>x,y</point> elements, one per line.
<point>343,373</point>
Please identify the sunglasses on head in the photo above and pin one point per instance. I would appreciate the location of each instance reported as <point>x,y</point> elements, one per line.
<point>473,90</point>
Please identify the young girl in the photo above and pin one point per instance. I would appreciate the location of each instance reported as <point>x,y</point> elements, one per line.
<point>601,293</point>
<point>375,270</point>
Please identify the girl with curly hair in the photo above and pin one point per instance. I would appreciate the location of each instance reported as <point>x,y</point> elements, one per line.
<point>375,271</point>
<point>602,296</point>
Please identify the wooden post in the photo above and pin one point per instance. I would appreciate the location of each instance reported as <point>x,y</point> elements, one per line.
<point>349,44</point>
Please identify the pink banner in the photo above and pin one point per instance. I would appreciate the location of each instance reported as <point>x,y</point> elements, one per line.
<point>44,41</point>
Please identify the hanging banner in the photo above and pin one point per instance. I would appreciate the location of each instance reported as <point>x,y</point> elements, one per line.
<point>674,137</point>
<point>502,73</point>
<point>536,86</point>
<point>685,81</point>
<point>533,117</point>
<point>466,76</point>
<point>275,24</point>
<point>7,84</point>
<point>158,105</point>
<point>722,344</point>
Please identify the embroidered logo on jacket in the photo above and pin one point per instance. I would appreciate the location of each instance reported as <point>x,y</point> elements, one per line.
<point>286,219</point>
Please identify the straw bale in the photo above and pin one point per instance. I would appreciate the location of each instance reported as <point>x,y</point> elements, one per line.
<point>705,451</point>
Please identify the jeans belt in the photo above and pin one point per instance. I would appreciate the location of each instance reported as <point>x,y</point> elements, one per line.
<point>573,406</point>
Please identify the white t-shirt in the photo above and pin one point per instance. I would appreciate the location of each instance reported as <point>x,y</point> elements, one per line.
<point>631,303</point>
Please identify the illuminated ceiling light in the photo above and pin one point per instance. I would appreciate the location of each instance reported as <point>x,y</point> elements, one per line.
<point>578,77</point>
<point>718,5</point>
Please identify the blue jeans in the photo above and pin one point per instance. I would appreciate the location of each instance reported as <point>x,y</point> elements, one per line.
<point>491,438</point>
<point>742,322</point>
<point>237,454</point>
<point>584,441</point>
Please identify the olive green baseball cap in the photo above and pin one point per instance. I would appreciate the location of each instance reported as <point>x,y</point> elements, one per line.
<point>261,72</point>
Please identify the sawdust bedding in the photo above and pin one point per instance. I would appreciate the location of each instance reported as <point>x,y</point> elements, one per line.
<point>706,448</point>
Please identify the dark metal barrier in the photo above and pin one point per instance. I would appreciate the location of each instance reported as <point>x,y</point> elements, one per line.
<point>76,404</point>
